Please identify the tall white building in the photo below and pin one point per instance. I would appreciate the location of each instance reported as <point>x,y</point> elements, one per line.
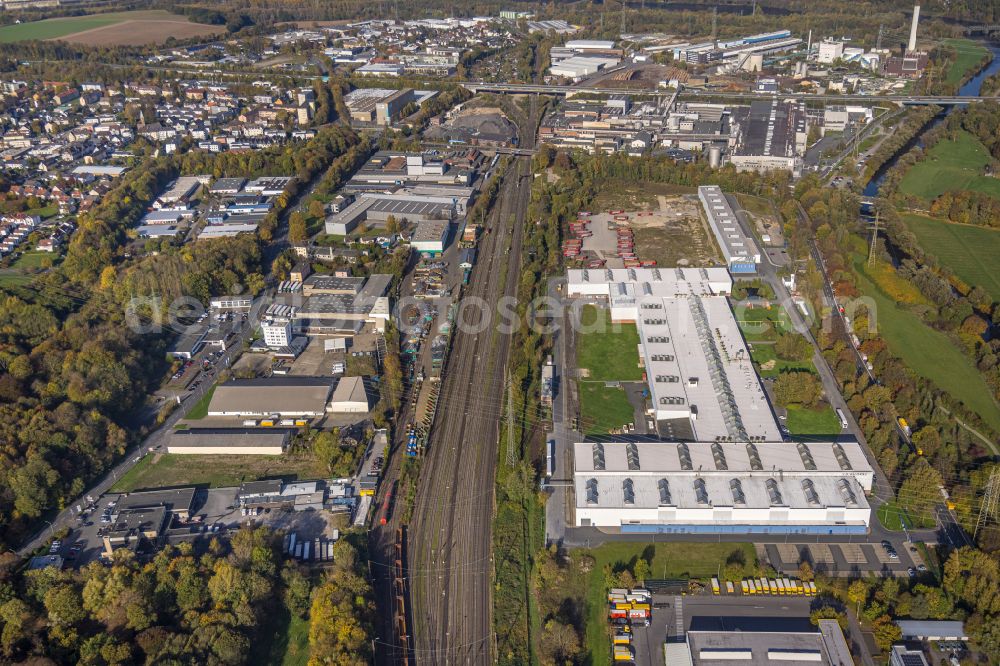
<point>277,332</point>
<point>829,51</point>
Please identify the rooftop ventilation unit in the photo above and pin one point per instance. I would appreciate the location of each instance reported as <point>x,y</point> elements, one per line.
<point>628,491</point>
<point>598,456</point>
<point>719,456</point>
<point>810,491</point>
<point>631,275</point>
<point>664,358</point>
<point>664,487</point>
<point>773,492</point>
<point>737,489</point>
<point>684,454</point>
<point>701,492</point>
<point>841,456</point>
<point>632,456</point>
<point>807,458</point>
<point>846,492</point>
<point>592,494</point>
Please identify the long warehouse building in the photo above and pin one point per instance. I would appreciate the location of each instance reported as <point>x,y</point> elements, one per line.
<point>702,383</point>
<point>740,251</point>
<point>741,488</point>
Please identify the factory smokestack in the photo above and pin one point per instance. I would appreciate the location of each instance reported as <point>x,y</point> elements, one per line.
<point>912,46</point>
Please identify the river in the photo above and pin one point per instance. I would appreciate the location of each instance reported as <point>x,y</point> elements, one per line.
<point>970,89</point>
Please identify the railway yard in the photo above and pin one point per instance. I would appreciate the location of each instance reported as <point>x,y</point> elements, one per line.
<point>443,593</point>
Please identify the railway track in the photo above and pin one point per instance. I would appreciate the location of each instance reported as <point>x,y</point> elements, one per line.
<point>450,539</point>
<point>449,570</point>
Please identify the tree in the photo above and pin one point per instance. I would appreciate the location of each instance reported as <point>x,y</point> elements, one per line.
<point>392,225</point>
<point>559,643</point>
<point>792,347</point>
<point>857,594</point>
<point>797,388</point>
<point>920,491</point>
<point>641,570</point>
<point>297,232</point>
<point>886,632</point>
<point>326,448</point>
<point>805,571</point>
<point>317,209</point>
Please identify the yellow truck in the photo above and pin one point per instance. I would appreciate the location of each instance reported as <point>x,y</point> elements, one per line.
<point>781,587</point>
<point>622,653</point>
<point>758,588</point>
<point>715,586</point>
<point>774,586</point>
<point>729,587</point>
<point>745,587</point>
<point>812,589</point>
<point>789,588</point>
<point>622,639</point>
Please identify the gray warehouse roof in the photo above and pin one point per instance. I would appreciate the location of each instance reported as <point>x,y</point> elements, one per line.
<point>234,437</point>
<point>272,395</point>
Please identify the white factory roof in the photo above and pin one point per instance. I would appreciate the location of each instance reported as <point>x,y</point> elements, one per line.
<point>696,360</point>
<point>722,459</point>
<point>589,44</point>
<point>741,491</point>
<point>650,281</point>
<point>728,233</point>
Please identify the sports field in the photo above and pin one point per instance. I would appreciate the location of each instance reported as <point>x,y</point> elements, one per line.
<point>969,251</point>
<point>111,29</point>
<point>929,353</point>
<point>951,166</point>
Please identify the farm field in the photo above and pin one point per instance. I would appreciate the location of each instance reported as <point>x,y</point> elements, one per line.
<point>111,29</point>
<point>969,55</point>
<point>929,353</point>
<point>951,166</point>
<point>165,470</point>
<point>969,251</point>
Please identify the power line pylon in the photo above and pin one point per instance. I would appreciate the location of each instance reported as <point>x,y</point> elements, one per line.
<point>990,508</point>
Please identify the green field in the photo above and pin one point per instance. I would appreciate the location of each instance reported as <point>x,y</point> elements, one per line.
<point>802,421</point>
<point>603,408</point>
<point>762,323</point>
<point>929,353</point>
<point>969,251</point>
<point>165,470</point>
<point>893,516</point>
<point>610,351</point>
<point>54,28</point>
<point>31,260</point>
<point>200,409</point>
<point>951,166</point>
<point>763,354</point>
<point>14,279</point>
<point>969,55</point>
<point>666,560</point>
<point>283,642</point>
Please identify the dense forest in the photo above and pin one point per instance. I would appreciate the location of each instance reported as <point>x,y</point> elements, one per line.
<point>217,604</point>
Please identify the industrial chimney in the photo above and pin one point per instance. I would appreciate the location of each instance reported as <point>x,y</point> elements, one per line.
<point>912,46</point>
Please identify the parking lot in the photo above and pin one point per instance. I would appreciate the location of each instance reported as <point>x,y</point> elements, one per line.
<point>845,559</point>
<point>215,513</point>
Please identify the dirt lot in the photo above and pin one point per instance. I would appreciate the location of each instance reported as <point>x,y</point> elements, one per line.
<point>672,234</point>
<point>137,32</point>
